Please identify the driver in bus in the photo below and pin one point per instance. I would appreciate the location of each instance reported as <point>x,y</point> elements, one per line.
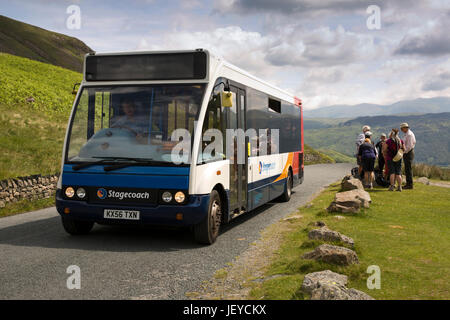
<point>130,120</point>
<point>137,125</point>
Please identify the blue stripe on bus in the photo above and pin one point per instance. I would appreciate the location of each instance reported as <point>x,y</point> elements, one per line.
<point>262,182</point>
<point>129,177</point>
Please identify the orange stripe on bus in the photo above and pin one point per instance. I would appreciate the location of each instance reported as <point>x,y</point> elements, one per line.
<point>284,174</point>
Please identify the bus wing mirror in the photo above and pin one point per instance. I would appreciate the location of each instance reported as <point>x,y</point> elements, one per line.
<point>75,89</point>
<point>227,99</point>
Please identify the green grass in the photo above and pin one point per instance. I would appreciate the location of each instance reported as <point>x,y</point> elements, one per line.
<point>26,206</point>
<point>406,234</point>
<point>432,172</point>
<point>32,134</point>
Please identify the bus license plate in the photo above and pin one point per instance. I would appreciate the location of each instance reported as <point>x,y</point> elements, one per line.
<point>121,214</point>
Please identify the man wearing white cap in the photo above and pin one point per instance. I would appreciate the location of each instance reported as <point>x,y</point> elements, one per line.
<point>408,155</point>
<point>360,141</point>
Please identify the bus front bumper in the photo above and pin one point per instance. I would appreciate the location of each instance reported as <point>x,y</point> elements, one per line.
<point>192,212</point>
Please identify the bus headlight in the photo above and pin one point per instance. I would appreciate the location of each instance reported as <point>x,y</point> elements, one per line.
<point>180,197</point>
<point>81,193</point>
<point>167,196</point>
<point>70,192</point>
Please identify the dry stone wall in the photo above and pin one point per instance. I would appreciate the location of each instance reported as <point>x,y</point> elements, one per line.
<point>32,187</point>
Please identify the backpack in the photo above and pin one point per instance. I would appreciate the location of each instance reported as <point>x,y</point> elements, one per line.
<point>354,172</point>
<point>380,180</point>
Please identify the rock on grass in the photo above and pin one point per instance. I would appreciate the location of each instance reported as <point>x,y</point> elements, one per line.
<point>327,234</point>
<point>333,254</point>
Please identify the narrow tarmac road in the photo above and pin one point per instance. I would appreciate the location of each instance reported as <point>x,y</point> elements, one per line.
<point>130,263</point>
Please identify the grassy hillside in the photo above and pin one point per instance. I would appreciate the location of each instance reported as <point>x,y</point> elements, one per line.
<point>28,41</point>
<point>431,130</point>
<point>35,102</point>
<point>337,156</point>
<point>314,157</point>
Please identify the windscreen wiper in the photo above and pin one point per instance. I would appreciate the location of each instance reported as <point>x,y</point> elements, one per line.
<point>89,163</point>
<point>137,161</point>
<point>106,160</point>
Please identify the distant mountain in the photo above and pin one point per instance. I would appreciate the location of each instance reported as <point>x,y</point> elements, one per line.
<point>38,44</point>
<point>416,106</point>
<point>432,132</point>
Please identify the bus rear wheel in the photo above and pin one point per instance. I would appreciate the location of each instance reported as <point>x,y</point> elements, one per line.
<point>207,231</point>
<point>286,196</point>
<point>76,227</point>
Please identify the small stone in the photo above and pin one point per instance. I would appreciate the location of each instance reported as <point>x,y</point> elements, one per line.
<point>333,254</point>
<point>423,180</point>
<point>338,292</point>
<point>314,280</point>
<point>350,201</point>
<point>351,184</point>
<point>339,217</point>
<point>293,218</point>
<point>320,224</point>
<point>327,234</point>
<point>2,204</point>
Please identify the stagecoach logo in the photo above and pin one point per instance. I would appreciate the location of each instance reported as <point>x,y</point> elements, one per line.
<point>120,195</point>
<point>265,166</point>
<point>101,193</point>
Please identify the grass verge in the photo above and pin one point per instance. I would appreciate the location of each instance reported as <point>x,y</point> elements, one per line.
<point>406,234</point>
<point>26,206</point>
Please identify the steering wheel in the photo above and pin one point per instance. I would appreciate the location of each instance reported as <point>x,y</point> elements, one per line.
<point>127,128</point>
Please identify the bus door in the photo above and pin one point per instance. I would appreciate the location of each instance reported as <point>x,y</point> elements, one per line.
<point>238,162</point>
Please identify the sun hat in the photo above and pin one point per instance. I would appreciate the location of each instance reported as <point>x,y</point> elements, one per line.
<point>383,135</point>
<point>368,134</point>
<point>366,128</point>
<point>404,125</point>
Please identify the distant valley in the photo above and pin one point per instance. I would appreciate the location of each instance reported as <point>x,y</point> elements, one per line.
<point>432,131</point>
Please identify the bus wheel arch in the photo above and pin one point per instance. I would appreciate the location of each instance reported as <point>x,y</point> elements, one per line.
<point>286,196</point>
<point>207,231</point>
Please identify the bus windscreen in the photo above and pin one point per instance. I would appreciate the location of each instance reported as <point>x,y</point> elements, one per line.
<point>159,66</point>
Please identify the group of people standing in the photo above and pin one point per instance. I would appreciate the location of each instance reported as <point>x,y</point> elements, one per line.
<point>389,152</point>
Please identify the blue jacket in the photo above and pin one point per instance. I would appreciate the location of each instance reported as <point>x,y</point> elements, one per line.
<point>367,151</point>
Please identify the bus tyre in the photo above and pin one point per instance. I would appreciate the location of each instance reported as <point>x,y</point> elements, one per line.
<point>76,227</point>
<point>286,196</point>
<point>207,231</point>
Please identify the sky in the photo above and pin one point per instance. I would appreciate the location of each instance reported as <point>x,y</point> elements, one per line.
<point>326,52</point>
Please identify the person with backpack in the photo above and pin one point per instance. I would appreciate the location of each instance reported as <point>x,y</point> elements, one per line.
<point>379,147</point>
<point>359,142</point>
<point>367,154</point>
<point>393,151</point>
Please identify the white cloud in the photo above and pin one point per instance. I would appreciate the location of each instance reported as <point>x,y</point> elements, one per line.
<point>429,39</point>
<point>437,79</point>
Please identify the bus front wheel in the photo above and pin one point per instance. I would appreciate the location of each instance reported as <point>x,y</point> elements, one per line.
<point>76,227</point>
<point>207,231</point>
